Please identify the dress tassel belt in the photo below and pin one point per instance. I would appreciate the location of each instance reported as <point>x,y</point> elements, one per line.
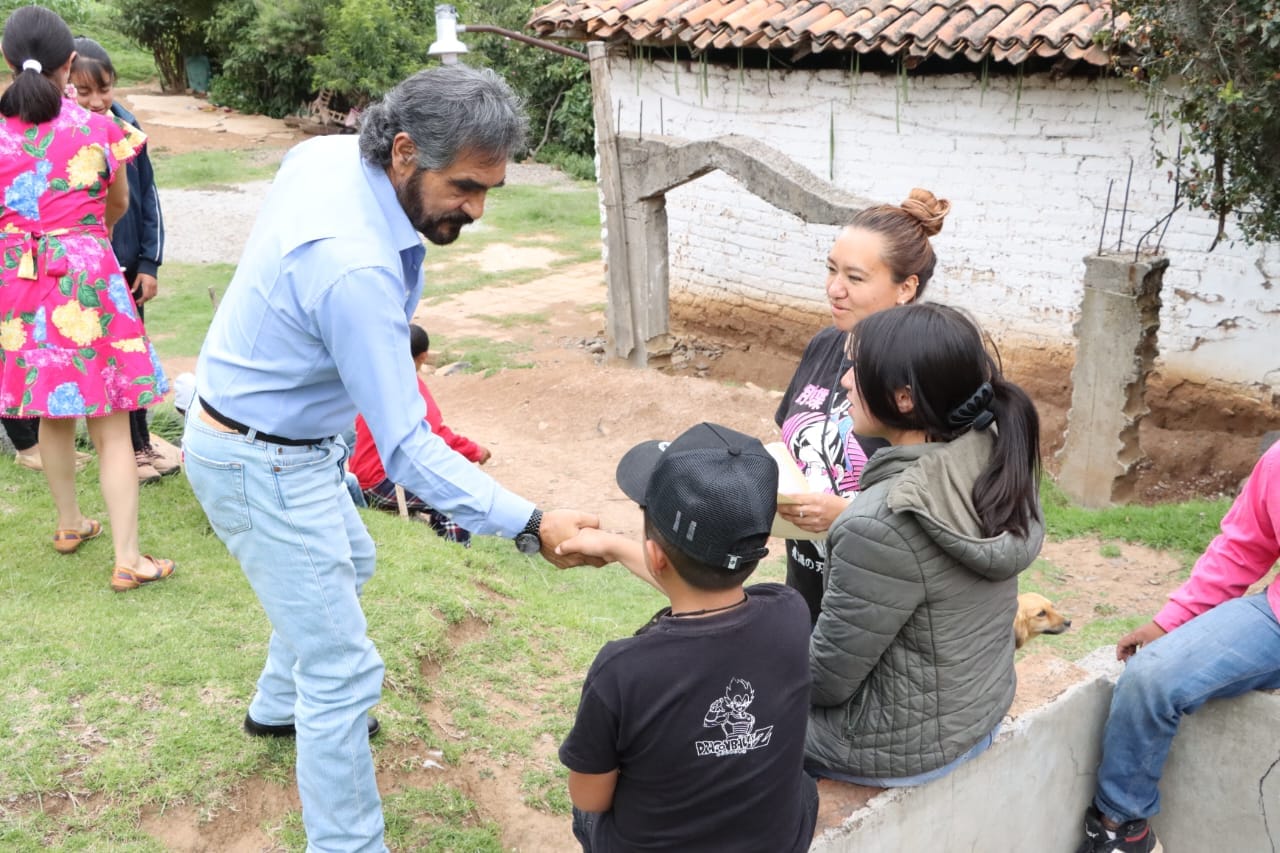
<point>37,243</point>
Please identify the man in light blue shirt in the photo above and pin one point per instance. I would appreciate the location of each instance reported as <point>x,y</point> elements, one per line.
<point>315,327</point>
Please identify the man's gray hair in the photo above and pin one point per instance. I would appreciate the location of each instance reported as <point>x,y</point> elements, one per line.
<point>445,110</point>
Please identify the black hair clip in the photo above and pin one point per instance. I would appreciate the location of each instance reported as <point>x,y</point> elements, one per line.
<point>975,411</point>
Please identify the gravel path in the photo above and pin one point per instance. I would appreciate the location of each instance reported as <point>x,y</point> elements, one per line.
<point>211,226</point>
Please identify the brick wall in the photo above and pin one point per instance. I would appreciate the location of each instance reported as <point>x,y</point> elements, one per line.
<point>1025,167</point>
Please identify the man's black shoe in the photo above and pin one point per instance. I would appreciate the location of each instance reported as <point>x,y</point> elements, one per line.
<point>257,729</point>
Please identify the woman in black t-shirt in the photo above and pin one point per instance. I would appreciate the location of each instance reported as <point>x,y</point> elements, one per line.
<point>881,259</point>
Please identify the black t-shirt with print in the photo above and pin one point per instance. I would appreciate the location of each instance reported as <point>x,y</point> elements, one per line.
<point>704,718</point>
<point>818,431</point>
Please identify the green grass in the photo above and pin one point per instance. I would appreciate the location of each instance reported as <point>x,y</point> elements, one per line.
<point>134,701</point>
<point>179,317</point>
<point>513,321</point>
<point>481,355</point>
<point>214,169</point>
<point>1185,528</point>
<point>565,220</point>
<point>569,214</point>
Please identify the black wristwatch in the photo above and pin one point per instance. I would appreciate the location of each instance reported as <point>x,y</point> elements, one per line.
<point>528,541</point>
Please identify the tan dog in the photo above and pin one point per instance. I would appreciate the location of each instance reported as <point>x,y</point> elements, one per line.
<point>1036,615</point>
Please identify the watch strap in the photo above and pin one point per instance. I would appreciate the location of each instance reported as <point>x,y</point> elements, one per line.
<point>533,525</point>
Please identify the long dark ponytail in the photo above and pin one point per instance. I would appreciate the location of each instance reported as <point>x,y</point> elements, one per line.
<point>956,385</point>
<point>36,44</point>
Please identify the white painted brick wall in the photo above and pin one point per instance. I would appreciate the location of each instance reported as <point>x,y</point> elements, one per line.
<point>1026,172</point>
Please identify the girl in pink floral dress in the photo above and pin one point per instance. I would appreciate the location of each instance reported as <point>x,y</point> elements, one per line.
<point>71,342</point>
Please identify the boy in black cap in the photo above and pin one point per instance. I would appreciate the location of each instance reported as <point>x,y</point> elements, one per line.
<point>690,735</point>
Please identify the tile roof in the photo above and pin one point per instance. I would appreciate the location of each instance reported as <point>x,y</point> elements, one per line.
<point>1005,30</point>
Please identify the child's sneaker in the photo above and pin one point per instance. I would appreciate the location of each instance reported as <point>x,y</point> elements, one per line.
<point>1135,836</point>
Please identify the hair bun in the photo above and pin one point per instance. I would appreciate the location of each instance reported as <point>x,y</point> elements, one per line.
<point>926,209</point>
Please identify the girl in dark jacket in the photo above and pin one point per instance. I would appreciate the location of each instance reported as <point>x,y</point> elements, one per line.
<point>138,238</point>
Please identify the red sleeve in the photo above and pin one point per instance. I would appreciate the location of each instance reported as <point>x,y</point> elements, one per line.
<point>1242,553</point>
<point>364,461</point>
<point>460,443</point>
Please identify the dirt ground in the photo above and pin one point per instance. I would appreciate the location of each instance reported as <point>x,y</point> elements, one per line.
<point>556,431</point>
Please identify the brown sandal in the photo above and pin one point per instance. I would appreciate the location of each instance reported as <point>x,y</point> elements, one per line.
<point>125,578</point>
<point>67,541</point>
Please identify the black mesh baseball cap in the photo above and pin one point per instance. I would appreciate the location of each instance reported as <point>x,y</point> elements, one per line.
<point>712,493</point>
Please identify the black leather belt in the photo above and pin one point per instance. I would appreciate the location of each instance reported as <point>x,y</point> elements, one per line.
<point>244,429</point>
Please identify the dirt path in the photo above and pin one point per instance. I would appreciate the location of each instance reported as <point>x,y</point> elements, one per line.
<point>556,431</point>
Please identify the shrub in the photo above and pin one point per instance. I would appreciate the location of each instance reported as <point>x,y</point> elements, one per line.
<point>556,89</point>
<point>580,166</point>
<point>368,47</point>
<point>1218,64</point>
<point>72,11</point>
<point>171,29</point>
<point>261,53</point>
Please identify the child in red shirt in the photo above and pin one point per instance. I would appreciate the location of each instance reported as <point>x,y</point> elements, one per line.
<point>365,463</point>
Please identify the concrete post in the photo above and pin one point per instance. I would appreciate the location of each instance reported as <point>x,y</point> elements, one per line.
<point>620,315</point>
<point>1115,348</point>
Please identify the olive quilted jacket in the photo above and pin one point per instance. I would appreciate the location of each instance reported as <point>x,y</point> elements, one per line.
<point>912,655</point>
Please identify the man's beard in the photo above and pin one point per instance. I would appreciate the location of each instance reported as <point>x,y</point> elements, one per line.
<point>440,230</point>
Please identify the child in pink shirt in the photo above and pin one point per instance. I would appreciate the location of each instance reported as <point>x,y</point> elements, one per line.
<point>1225,644</point>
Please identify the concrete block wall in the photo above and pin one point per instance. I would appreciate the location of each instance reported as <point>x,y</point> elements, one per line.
<point>1025,165</point>
<point>1220,790</point>
<point>1027,792</point>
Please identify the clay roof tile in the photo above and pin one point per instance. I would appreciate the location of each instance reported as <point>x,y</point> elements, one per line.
<point>712,13</point>
<point>1059,29</point>
<point>1003,32</point>
<point>952,26</point>
<point>926,27</point>
<point>896,32</point>
<point>811,21</point>
<point>1010,30</point>
<point>1030,29</point>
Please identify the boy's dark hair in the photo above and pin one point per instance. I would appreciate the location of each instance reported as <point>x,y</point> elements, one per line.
<point>93,62</point>
<point>696,573</point>
<point>419,342</point>
<point>34,33</point>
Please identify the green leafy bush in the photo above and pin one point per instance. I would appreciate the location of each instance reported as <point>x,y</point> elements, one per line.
<point>71,11</point>
<point>273,57</point>
<point>580,166</point>
<point>171,29</point>
<point>1218,66</point>
<point>261,53</point>
<point>369,46</point>
<point>556,89</point>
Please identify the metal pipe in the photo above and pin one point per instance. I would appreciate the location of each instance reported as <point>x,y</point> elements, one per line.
<point>521,37</point>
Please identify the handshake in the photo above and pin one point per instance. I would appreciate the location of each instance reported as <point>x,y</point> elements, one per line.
<point>562,543</point>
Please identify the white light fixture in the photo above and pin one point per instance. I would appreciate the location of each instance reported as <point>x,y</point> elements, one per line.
<point>446,46</point>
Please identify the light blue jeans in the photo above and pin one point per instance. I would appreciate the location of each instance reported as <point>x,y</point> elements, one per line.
<point>285,515</point>
<point>1227,651</point>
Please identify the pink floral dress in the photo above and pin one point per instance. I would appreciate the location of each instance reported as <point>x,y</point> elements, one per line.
<point>71,341</point>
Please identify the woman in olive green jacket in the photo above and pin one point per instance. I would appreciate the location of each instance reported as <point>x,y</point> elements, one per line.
<point>912,654</point>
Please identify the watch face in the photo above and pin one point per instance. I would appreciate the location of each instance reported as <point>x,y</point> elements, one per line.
<point>528,543</point>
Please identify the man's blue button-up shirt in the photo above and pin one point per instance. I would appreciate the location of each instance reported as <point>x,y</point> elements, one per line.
<point>315,327</point>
